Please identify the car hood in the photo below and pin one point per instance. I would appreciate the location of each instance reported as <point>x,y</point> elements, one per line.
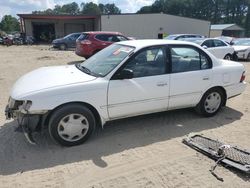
<point>48,78</point>
<point>240,48</point>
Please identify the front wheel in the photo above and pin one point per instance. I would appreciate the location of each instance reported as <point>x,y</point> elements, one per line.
<point>71,125</point>
<point>211,102</point>
<point>228,57</point>
<point>62,47</point>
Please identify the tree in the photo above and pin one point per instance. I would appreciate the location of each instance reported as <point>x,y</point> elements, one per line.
<point>9,24</point>
<point>247,21</point>
<point>71,8</point>
<point>109,9</point>
<point>90,8</point>
<point>145,9</point>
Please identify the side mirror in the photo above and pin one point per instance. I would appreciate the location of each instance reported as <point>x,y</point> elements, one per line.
<point>124,74</point>
<point>205,47</point>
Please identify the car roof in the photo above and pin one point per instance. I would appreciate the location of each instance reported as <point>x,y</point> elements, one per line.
<point>153,42</point>
<point>186,34</point>
<point>103,32</point>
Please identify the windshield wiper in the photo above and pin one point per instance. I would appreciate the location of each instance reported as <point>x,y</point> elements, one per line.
<point>85,70</point>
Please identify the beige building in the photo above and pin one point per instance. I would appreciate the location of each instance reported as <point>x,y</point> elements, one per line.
<point>140,26</point>
<point>148,26</point>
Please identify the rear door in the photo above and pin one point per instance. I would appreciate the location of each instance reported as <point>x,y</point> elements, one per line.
<point>103,40</point>
<point>191,75</point>
<point>147,91</point>
<point>219,48</point>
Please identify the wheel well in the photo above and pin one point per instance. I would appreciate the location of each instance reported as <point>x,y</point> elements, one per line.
<point>90,107</point>
<point>63,44</point>
<point>228,54</point>
<point>223,91</point>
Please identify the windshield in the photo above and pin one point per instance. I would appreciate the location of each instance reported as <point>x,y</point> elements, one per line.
<point>67,36</point>
<point>194,40</point>
<point>241,42</point>
<point>106,60</point>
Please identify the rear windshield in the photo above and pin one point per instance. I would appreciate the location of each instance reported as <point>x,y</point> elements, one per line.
<point>83,36</point>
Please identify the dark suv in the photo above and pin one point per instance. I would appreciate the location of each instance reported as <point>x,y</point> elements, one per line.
<point>91,42</point>
<point>66,42</point>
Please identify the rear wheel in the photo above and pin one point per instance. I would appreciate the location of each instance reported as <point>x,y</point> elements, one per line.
<point>72,125</point>
<point>211,102</point>
<point>228,57</point>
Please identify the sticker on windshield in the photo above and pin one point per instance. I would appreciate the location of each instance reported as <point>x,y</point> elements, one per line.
<point>122,49</point>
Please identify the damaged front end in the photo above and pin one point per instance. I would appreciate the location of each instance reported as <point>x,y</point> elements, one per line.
<point>29,121</point>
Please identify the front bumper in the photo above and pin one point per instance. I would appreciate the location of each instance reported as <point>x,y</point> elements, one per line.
<point>55,45</point>
<point>28,122</point>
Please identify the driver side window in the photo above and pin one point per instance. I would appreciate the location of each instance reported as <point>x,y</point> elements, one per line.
<point>148,62</point>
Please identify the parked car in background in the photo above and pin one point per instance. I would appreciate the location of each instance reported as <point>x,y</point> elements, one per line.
<point>182,36</point>
<point>66,42</point>
<point>242,47</point>
<point>226,39</point>
<point>217,47</point>
<point>1,40</point>
<point>91,42</point>
<point>126,79</point>
<point>29,40</point>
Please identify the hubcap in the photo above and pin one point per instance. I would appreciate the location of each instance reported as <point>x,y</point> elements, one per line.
<point>73,127</point>
<point>212,102</point>
<point>228,57</point>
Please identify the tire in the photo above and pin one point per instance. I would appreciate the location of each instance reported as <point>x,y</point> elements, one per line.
<point>70,116</point>
<point>62,47</point>
<point>228,57</point>
<point>211,102</point>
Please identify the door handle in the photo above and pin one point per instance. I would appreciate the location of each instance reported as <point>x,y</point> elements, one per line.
<point>161,84</point>
<point>205,78</point>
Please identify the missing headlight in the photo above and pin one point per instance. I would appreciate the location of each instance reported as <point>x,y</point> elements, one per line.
<point>25,105</point>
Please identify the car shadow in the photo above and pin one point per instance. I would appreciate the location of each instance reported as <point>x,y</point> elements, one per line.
<point>17,155</point>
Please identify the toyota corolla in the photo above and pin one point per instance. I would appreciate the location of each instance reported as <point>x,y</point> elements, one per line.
<point>126,79</point>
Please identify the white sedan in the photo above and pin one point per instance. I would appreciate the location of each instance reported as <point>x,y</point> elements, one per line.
<point>217,47</point>
<point>125,79</point>
<point>242,47</point>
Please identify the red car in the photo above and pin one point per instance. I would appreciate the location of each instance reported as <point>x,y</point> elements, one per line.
<point>91,42</point>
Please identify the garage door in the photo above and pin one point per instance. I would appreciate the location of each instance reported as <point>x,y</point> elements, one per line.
<point>73,28</point>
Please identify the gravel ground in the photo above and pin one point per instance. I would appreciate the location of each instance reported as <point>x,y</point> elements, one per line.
<point>144,151</point>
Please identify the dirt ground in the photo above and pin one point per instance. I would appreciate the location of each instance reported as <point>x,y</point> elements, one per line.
<point>144,151</point>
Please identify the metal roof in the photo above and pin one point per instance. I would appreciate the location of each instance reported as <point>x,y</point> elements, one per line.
<point>54,16</point>
<point>226,27</point>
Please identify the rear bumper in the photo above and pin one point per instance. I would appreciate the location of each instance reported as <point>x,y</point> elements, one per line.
<point>236,89</point>
<point>84,50</point>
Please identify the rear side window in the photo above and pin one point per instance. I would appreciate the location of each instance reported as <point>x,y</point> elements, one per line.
<point>83,36</point>
<point>104,37</point>
<point>208,43</point>
<point>218,43</point>
<point>186,59</point>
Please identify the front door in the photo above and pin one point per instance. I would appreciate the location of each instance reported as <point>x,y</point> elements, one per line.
<point>147,91</point>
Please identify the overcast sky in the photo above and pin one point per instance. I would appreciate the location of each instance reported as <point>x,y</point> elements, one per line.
<point>14,7</point>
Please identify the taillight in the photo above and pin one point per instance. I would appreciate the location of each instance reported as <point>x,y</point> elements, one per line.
<point>86,42</point>
<point>243,76</point>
